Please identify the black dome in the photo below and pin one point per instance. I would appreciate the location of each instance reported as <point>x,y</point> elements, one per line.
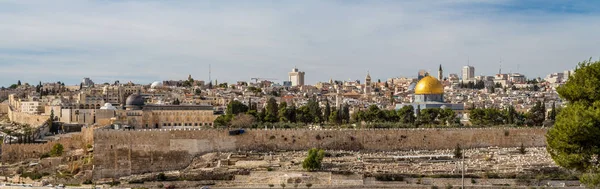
<point>134,100</point>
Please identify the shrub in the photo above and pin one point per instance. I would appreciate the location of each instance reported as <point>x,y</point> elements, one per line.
<point>136,182</point>
<point>161,177</point>
<point>32,175</point>
<point>449,186</point>
<point>313,160</point>
<point>389,177</point>
<point>457,151</point>
<point>506,133</point>
<point>57,150</point>
<point>45,155</point>
<point>87,182</point>
<point>269,169</point>
<point>522,149</point>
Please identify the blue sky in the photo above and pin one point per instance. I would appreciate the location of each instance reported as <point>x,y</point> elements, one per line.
<point>145,41</point>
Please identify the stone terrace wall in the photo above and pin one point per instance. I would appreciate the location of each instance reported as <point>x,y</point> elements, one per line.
<point>122,153</point>
<point>25,118</point>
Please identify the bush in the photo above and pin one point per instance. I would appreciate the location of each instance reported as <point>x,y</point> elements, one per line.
<point>57,150</point>
<point>389,177</point>
<point>136,182</point>
<point>45,155</point>
<point>449,186</point>
<point>458,152</point>
<point>161,177</point>
<point>522,149</point>
<point>269,169</point>
<point>32,175</point>
<point>87,182</point>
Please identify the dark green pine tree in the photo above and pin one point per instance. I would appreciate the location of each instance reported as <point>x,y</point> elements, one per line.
<point>327,111</point>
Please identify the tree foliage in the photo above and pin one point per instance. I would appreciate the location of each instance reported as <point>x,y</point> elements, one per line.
<point>313,159</point>
<point>236,107</point>
<point>573,141</point>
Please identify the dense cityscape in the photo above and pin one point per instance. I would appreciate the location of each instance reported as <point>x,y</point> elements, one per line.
<point>299,94</point>
<point>47,113</point>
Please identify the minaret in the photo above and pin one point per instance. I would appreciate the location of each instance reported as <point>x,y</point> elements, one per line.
<point>440,73</point>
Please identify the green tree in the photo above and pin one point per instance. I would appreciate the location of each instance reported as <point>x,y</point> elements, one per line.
<point>537,114</point>
<point>282,112</point>
<point>272,109</point>
<point>447,116</point>
<point>573,140</point>
<point>290,113</point>
<point>313,159</point>
<point>223,120</point>
<point>315,111</point>
<point>236,107</point>
<point>458,152</point>
<point>334,117</point>
<point>407,114</point>
<point>57,150</point>
<point>262,114</point>
<point>552,115</point>
<point>176,102</point>
<point>345,114</point>
<point>327,111</point>
<point>429,116</point>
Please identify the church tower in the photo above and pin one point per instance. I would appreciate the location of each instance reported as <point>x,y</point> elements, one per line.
<point>440,73</point>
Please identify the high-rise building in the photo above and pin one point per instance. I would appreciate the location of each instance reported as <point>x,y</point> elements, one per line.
<point>296,77</point>
<point>468,72</point>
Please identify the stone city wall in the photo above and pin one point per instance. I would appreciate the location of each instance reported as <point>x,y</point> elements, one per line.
<point>25,118</point>
<point>3,108</point>
<point>122,153</point>
<point>18,152</point>
<point>12,153</point>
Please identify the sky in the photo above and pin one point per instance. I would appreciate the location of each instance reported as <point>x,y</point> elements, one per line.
<point>146,40</point>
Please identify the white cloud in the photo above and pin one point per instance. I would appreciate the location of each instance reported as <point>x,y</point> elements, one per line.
<point>150,40</point>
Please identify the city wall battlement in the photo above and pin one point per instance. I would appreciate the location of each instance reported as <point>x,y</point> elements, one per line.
<point>122,153</point>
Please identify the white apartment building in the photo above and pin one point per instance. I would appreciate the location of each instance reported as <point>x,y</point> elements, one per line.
<point>296,77</point>
<point>468,73</point>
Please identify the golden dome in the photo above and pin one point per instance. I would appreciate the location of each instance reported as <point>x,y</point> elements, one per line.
<point>429,85</point>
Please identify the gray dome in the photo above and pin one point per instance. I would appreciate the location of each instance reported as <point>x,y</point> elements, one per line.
<point>134,100</point>
<point>412,86</point>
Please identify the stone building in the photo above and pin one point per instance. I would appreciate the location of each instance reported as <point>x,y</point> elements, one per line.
<point>138,115</point>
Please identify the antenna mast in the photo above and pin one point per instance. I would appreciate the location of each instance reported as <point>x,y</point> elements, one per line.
<point>209,78</point>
